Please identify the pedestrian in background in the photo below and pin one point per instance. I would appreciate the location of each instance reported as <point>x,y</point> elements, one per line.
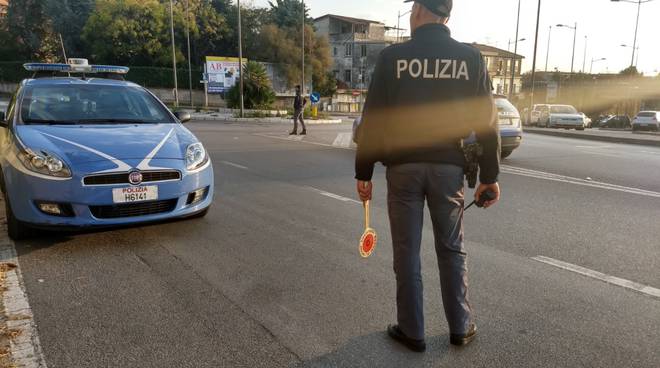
<point>299,103</point>
<point>426,96</point>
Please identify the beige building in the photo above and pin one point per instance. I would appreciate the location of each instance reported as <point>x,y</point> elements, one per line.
<point>499,64</point>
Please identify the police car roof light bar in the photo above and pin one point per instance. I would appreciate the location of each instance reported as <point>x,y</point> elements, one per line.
<point>73,68</point>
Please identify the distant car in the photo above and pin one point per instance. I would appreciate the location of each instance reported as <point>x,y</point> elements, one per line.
<point>564,116</point>
<point>616,122</point>
<point>539,115</point>
<point>646,120</point>
<point>81,151</point>
<point>508,119</point>
<point>587,120</point>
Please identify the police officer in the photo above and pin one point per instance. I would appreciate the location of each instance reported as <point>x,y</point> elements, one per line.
<point>426,95</point>
<point>299,103</point>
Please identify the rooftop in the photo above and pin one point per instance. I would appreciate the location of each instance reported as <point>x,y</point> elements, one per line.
<point>346,19</point>
<point>488,50</point>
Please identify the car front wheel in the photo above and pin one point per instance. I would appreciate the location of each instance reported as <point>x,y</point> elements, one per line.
<point>15,228</point>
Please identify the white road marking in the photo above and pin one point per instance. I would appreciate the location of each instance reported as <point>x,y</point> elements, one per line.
<point>650,152</point>
<point>235,165</point>
<point>25,348</point>
<point>306,142</point>
<point>576,181</point>
<point>648,290</point>
<point>512,170</point>
<point>593,147</point>
<point>343,140</point>
<point>334,196</point>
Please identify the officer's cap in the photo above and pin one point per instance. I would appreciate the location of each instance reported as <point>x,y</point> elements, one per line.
<point>438,7</point>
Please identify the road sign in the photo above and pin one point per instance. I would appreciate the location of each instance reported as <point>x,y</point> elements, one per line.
<point>315,97</point>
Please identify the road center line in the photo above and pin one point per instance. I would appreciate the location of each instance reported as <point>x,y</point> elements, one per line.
<point>235,165</point>
<point>648,290</point>
<point>334,196</point>
<point>302,141</point>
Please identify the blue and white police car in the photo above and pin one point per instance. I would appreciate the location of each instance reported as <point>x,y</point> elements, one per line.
<point>80,147</point>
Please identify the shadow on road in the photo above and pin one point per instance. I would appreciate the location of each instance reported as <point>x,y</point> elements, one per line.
<point>378,350</point>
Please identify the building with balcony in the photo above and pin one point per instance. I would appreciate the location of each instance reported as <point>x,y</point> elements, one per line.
<point>354,45</point>
<point>499,64</point>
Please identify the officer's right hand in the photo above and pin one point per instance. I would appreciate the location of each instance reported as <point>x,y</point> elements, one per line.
<point>364,190</point>
<point>495,188</point>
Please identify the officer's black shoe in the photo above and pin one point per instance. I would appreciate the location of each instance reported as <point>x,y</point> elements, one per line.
<point>415,345</point>
<point>293,133</point>
<point>304,132</point>
<point>460,340</point>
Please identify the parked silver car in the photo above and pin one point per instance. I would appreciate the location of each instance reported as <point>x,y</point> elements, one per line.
<point>564,116</point>
<point>646,120</point>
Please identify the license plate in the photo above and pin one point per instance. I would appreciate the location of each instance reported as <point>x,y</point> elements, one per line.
<point>135,194</point>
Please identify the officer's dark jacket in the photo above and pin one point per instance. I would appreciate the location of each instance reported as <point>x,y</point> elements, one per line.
<point>425,96</point>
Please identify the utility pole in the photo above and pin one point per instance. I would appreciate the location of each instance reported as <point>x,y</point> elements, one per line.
<point>302,88</point>
<point>547,53</point>
<point>574,40</point>
<point>536,43</point>
<point>176,86</point>
<point>515,52</point>
<point>584,60</point>
<point>240,57</point>
<point>189,62</point>
<point>639,8</point>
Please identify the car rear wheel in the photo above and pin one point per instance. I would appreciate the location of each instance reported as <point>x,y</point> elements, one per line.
<point>15,228</point>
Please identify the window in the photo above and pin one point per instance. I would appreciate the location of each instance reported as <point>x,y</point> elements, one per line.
<point>334,51</point>
<point>335,73</point>
<point>347,76</point>
<point>349,49</point>
<point>363,75</point>
<point>364,50</point>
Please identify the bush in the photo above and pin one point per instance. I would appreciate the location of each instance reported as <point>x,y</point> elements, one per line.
<point>257,89</point>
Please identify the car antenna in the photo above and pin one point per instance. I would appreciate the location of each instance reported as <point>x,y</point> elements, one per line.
<point>66,61</point>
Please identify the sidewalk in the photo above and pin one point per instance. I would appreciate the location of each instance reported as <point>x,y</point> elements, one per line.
<point>603,135</point>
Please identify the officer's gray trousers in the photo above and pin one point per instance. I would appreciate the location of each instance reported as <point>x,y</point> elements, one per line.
<point>441,185</point>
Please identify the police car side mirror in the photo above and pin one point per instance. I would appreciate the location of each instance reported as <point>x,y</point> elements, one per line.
<point>183,116</point>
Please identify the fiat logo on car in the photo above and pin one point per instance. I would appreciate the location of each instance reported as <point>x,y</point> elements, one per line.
<point>135,177</point>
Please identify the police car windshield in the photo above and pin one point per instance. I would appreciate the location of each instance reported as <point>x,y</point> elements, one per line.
<point>90,104</point>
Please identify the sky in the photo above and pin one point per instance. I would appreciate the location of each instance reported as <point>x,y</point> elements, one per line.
<point>606,24</point>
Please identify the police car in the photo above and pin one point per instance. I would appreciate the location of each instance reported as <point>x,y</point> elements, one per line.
<point>80,147</point>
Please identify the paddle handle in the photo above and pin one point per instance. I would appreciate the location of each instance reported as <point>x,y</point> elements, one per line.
<point>366,214</point>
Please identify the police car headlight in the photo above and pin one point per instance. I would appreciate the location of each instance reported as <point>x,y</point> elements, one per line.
<point>45,163</point>
<point>196,156</point>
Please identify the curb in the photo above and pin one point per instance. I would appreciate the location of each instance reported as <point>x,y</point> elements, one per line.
<point>264,120</point>
<point>600,138</point>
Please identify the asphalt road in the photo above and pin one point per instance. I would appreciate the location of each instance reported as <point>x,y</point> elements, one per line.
<point>272,276</point>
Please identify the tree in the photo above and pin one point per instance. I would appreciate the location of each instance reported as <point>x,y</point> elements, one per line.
<point>30,34</point>
<point>68,19</point>
<point>287,13</point>
<point>257,89</point>
<point>132,32</point>
<point>630,71</point>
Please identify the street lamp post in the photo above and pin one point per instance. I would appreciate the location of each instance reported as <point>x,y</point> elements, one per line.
<point>595,61</point>
<point>547,53</point>
<point>398,22</point>
<point>513,67</point>
<point>639,7</point>
<point>240,58</point>
<point>302,86</point>
<point>176,87</point>
<point>536,44</point>
<point>189,61</point>
<point>574,40</point>
<point>515,52</point>
<point>636,49</point>
<point>584,60</point>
